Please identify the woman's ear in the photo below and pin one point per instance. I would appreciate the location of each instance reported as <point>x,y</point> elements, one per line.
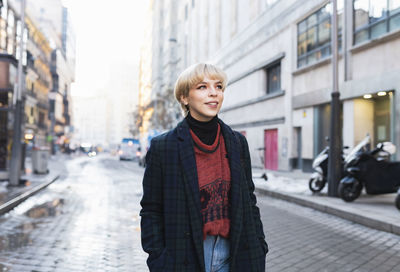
<point>184,100</point>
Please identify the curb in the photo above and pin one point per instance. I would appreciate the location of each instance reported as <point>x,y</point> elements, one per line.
<point>362,220</point>
<point>6,207</point>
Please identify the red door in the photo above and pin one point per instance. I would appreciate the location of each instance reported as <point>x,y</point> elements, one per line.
<point>271,149</point>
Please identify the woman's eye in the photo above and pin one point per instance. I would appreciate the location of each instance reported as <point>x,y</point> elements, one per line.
<point>202,87</point>
<point>219,87</point>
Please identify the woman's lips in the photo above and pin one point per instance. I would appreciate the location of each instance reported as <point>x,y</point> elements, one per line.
<point>212,104</point>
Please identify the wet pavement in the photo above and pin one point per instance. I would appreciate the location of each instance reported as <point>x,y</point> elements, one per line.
<point>29,180</point>
<point>86,221</point>
<point>305,240</point>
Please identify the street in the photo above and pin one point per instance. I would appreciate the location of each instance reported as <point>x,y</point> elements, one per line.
<point>88,220</point>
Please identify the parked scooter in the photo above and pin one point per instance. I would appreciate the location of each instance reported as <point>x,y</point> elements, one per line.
<point>319,176</point>
<point>320,165</point>
<point>372,170</point>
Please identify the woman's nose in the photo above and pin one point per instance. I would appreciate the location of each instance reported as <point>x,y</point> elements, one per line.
<point>212,91</point>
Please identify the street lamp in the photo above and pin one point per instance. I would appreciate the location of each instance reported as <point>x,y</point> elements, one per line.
<point>16,151</point>
<point>335,145</point>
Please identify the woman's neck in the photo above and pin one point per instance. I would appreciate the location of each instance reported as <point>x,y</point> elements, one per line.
<point>206,131</point>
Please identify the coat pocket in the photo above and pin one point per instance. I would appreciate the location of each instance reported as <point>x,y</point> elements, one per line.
<point>159,263</point>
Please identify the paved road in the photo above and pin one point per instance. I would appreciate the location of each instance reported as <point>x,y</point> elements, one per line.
<point>88,221</point>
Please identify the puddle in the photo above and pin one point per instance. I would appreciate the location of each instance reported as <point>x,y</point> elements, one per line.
<point>21,234</point>
<point>4,267</point>
<point>16,240</point>
<point>47,209</point>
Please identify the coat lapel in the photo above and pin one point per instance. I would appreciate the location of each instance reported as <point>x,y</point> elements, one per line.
<point>232,146</point>
<point>188,162</point>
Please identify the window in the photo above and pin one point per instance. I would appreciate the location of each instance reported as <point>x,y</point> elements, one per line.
<point>274,78</point>
<point>373,18</point>
<point>314,35</point>
<point>10,33</point>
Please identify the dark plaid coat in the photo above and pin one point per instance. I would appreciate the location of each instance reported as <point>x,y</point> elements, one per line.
<point>171,222</point>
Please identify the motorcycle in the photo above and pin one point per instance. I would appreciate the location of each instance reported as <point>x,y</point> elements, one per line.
<point>320,165</point>
<point>371,169</point>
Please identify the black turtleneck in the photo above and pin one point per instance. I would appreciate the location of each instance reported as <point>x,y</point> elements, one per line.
<point>206,131</point>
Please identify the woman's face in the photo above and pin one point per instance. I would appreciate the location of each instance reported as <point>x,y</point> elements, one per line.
<point>205,99</point>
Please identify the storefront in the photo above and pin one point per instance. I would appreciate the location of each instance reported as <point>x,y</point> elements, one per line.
<point>371,114</point>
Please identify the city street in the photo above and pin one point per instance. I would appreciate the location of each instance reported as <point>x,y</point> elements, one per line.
<point>88,220</point>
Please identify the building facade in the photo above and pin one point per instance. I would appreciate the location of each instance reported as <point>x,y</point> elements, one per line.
<point>54,21</point>
<point>37,85</point>
<point>277,55</point>
<point>37,56</point>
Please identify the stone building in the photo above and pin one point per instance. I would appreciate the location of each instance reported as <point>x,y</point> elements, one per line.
<point>277,57</point>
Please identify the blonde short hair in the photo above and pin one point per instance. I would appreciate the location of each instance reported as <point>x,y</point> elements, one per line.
<point>193,75</point>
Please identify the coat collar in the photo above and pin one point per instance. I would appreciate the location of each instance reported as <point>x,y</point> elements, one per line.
<point>188,161</point>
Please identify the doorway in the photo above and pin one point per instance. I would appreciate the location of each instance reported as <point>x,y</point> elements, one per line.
<point>271,149</point>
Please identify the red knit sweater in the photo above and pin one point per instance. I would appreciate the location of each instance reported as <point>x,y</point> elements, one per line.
<point>214,182</point>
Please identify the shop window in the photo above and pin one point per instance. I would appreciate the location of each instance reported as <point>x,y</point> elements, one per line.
<point>314,35</point>
<point>374,18</point>
<point>274,78</point>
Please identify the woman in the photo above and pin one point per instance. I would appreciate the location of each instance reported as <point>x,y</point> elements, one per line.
<point>199,210</point>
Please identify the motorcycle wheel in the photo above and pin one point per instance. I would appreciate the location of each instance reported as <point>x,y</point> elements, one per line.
<point>397,201</point>
<point>348,192</point>
<point>316,185</point>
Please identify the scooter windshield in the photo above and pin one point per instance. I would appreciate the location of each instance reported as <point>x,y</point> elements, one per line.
<point>356,149</point>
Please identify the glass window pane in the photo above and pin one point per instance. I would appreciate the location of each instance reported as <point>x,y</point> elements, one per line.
<point>4,10</point>
<point>301,62</point>
<point>324,32</point>
<point>312,20</point>
<point>302,26</point>
<point>311,38</point>
<point>326,51</point>
<point>394,6</point>
<point>274,79</point>
<point>361,11</point>
<point>377,10</point>
<point>325,12</point>
<point>340,5</point>
<point>394,23</point>
<point>340,21</point>
<point>302,44</point>
<point>378,30</point>
<point>361,36</point>
<point>312,58</point>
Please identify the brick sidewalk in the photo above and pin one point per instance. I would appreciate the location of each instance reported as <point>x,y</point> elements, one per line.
<point>376,211</point>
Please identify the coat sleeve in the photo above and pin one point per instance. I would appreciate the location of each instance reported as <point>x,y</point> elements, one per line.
<point>152,219</point>
<point>256,211</point>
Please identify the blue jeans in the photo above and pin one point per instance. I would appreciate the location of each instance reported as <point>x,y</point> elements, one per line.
<point>216,254</point>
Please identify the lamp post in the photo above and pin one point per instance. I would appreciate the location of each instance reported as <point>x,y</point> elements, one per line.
<point>335,145</point>
<point>16,151</point>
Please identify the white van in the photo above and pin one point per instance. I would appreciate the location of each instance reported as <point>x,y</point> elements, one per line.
<point>129,149</point>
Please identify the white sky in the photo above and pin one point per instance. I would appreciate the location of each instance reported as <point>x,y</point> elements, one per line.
<point>108,33</point>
